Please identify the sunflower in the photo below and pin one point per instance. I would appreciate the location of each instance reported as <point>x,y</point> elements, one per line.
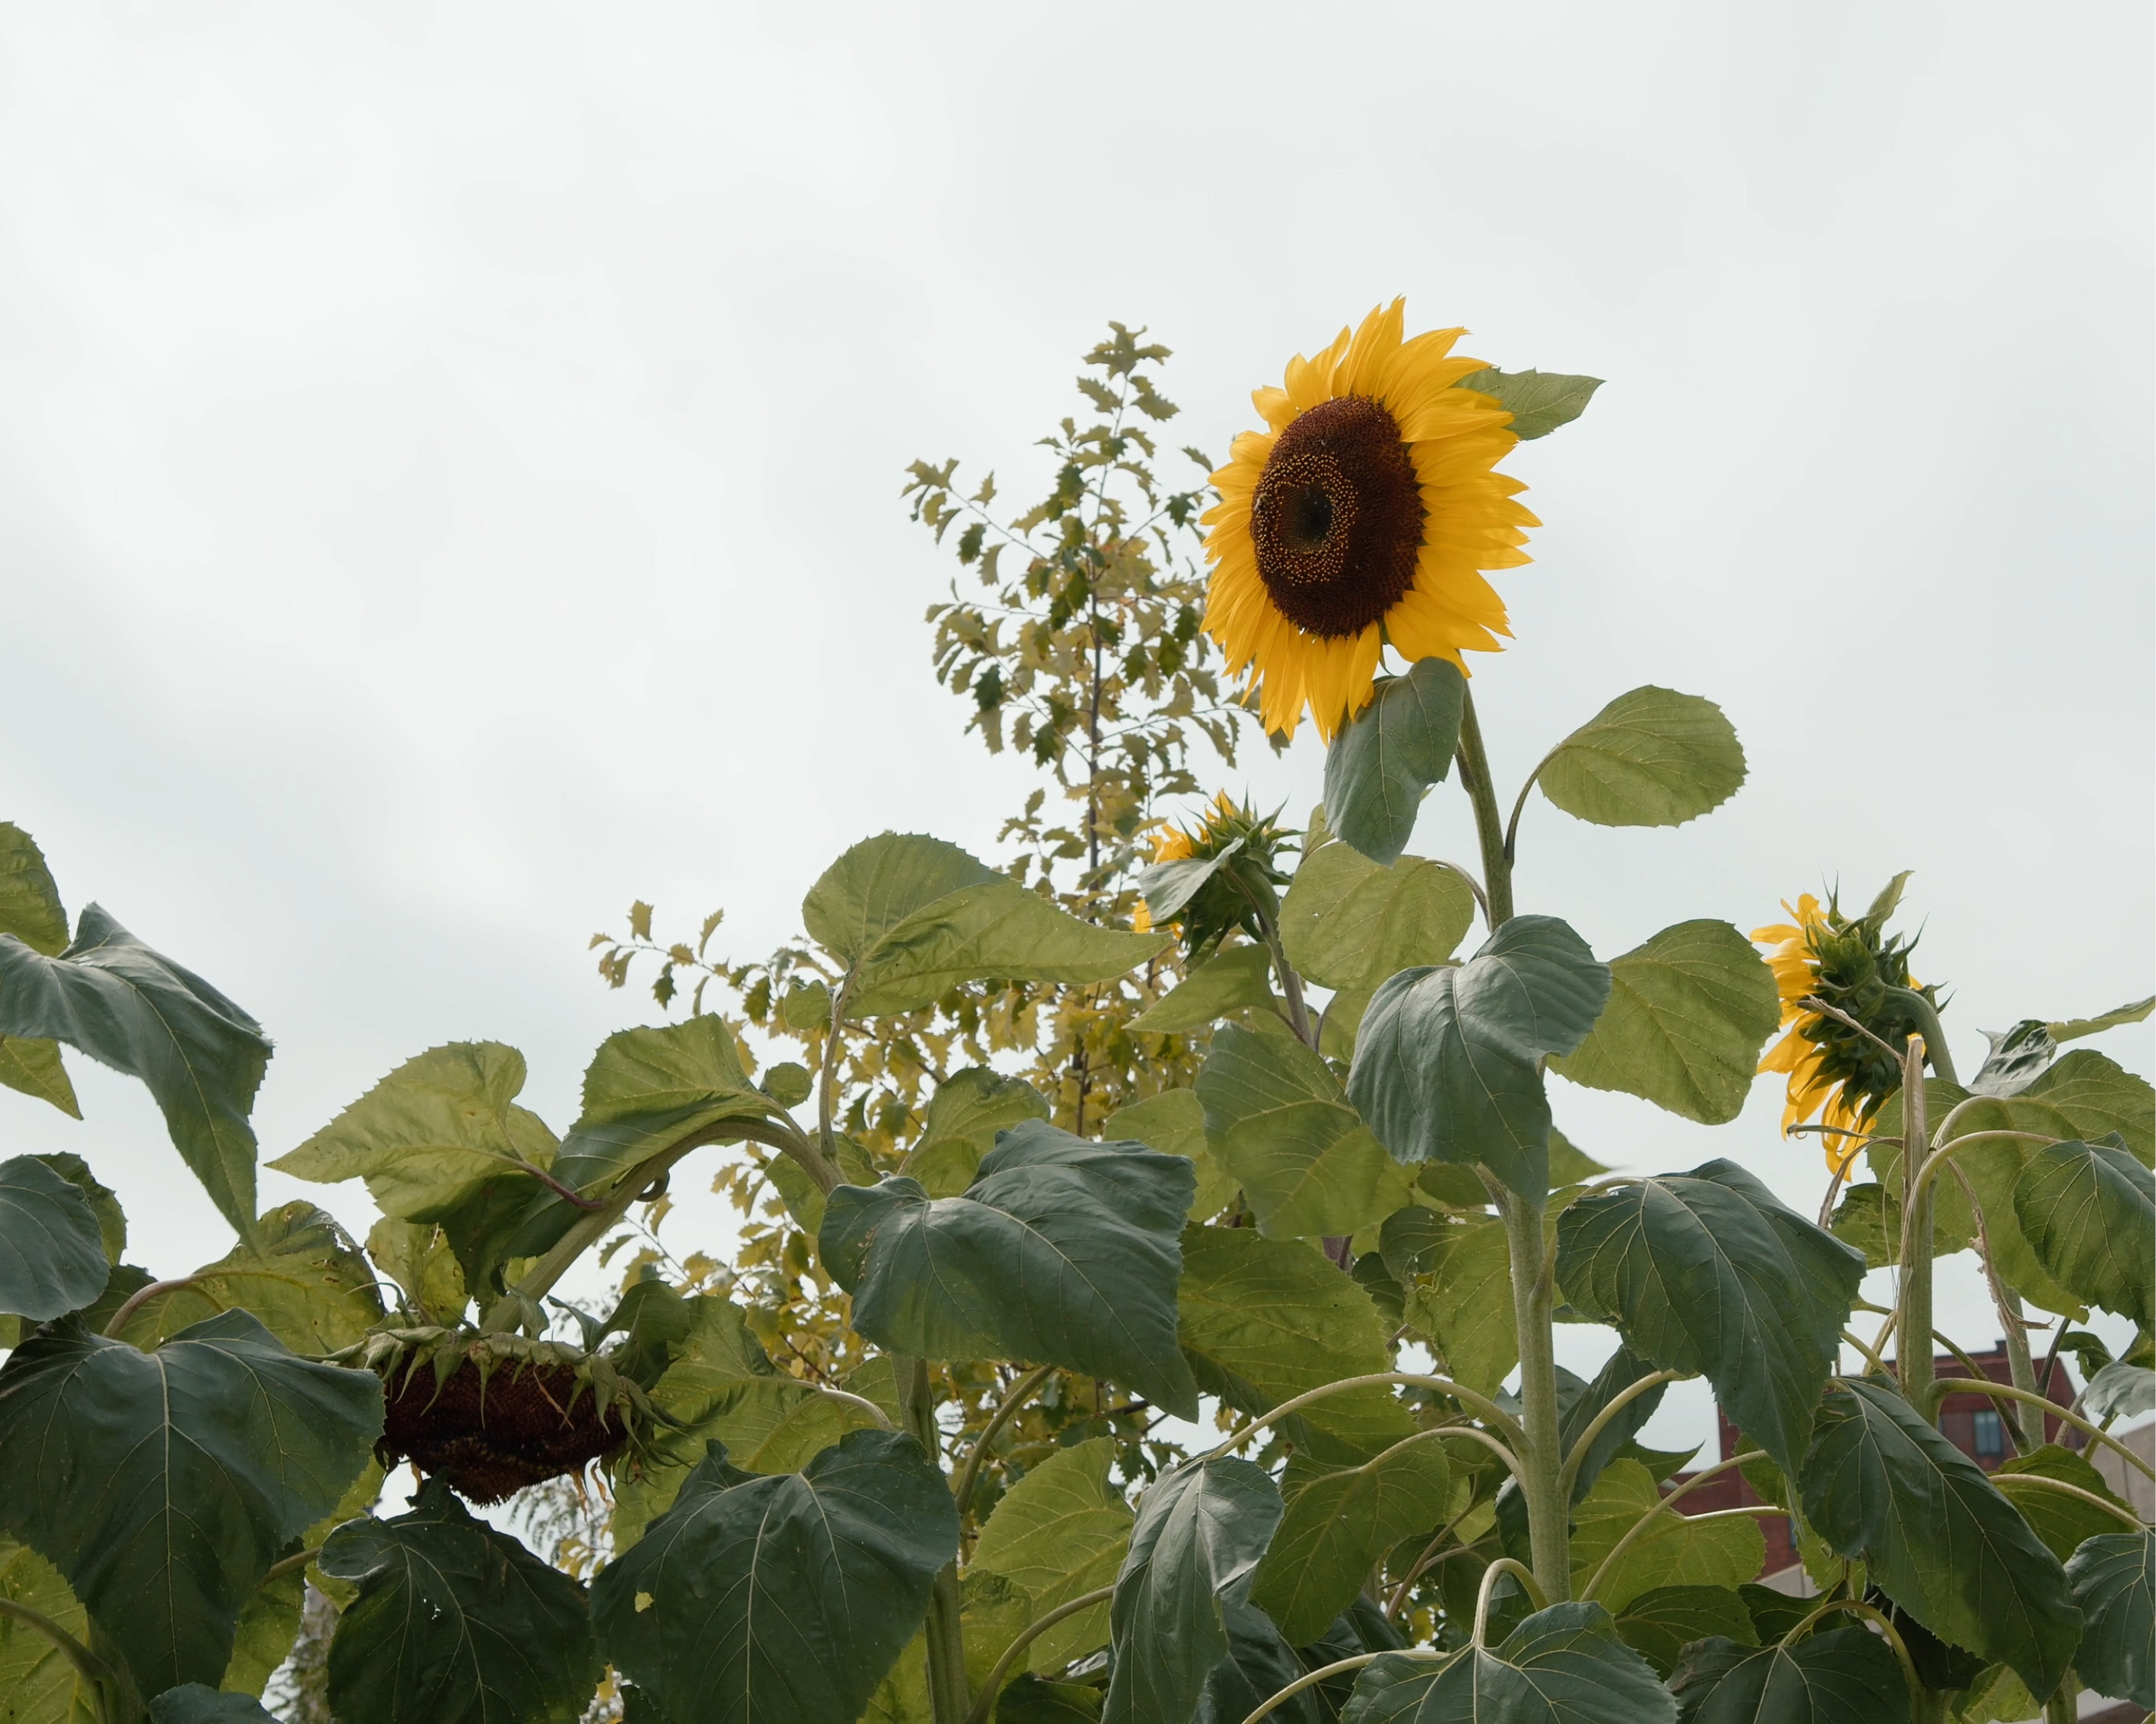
<point>1246,875</point>
<point>1834,1071</point>
<point>1362,517</point>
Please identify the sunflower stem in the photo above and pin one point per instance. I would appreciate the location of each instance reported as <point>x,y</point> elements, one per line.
<point>1542,1444</point>
<point>1489,823</point>
<point>944,1631</point>
<point>1913,1358</point>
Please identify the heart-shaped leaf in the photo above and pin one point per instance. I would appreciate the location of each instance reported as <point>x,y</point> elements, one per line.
<point>1653,757</point>
<point>781,1600</point>
<point>128,1007</point>
<point>163,1485</point>
<point>645,1090</point>
<point>2089,1212</point>
<point>1349,922</point>
<point>455,1623</point>
<point>1060,1532</point>
<point>1461,1298</point>
<point>1340,1523</point>
<point>1448,1062</point>
<point>1674,1551</point>
<point>2114,1578</point>
<point>1843,1676</point>
<point>1659,1624</point>
<point>1688,1013</point>
<point>968,1110</point>
<point>1278,1120</point>
<point>1382,763</point>
<point>1709,1272</point>
<point>52,1254</point>
<point>1201,1528</point>
<point>1173,1122</point>
<point>1062,1250</point>
<point>1883,1487</point>
<point>1237,980</point>
<point>1562,1665</point>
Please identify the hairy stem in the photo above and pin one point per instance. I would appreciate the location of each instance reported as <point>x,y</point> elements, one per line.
<point>1026,1636</point>
<point>1912,1353</point>
<point>1489,825</point>
<point>1014,1397</point>
<point>944,1631</point>
<point>87,1664</point>
<point>1541,1446</point>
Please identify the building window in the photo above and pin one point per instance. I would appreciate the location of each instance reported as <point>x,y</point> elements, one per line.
<point>1990,1435</point>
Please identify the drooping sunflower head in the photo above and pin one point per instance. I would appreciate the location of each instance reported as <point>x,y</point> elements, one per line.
<point>1851,963</point>
<point>1363,516</point>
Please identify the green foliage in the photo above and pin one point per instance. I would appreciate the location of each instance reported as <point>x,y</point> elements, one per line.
<point>1062,1250</point>
<point>1661,1623</point>
<point>130,1008</point>
<point>1384,761</point>
<point>1348,923</point>
<point>302,1277</point>
<point>454,1622</point>
<point>781,1600</point>
<point>1845,1675</point>
<point>1235,980</point>
<point>39,1684</point>
<point>1539,402</point>
<point>2114,1578</point>
<point>1339,1524</point>
<point>1675,1550</point>
<point>1562,1665</point>
<point>1448,1062</point>
<point>1653,757</point>
<point>1277,1119</point>
<point>2063,1521</point>
<point>1200,1529</point>
<point>649,1088</point>
<point>1884,1488</point>
<point>1060,1532</point>
<point>1459,1293</point>
<point>31,911</point>
<point>163,1485</point>
<point>1687,1015</point>
<point>195,1704</point>
<point>969,1109</point>
<point>2089,1211</point>
<point>51,1252</point>
<point>1708,1271</point>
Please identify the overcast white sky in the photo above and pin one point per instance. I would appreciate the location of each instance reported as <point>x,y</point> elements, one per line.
<point>450,459</point>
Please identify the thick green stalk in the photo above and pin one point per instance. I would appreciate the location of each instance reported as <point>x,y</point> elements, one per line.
<point>1912,1349</point>
<point>944,1632</point>
<point>1489,825</point>
<point>1542,1450</point>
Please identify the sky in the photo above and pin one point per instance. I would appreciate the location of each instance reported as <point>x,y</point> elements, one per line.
<point>449,470</point>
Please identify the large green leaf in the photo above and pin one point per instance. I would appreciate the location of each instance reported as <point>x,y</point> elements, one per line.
<point>1448,1062</point>
<point>1383,763</point>
<point>1884,1488</point>
<point>2064,1521</point>
<point>1060,1532</point>
<point>163,1485</point>
<point>1062,1250</point>
<point>1562,1665</point>
<point>1843,1676</point>
<point>1349,922</point>
<point>1201,1528</point>
<point>1262,1320</point>
<point>647,1088</point>
<point>1688,1013</point>
<point>1661,1623</point>
<point>721,1384</point>
<point>1173,1122</point>
<point>2114,1578</point>
<point>1709,1272</point>
<point>1237,980</point>
<point>302,1277</point>
<point>432,1133</point>
<point>455,1623</point>
<point>913,916</point>
<point>39,1683</point>
<point>781,1600</point>
<point>1280,1122</point>
<point>127,1006</point>
<point>1460,1299</point>
<point>1339,1524</point>
<point>30,907</point>
<point>1653,757</point>
<point>1538,401</point>
<point>2089,1212</point>
<point>52,1254</point>
<point>1618,1372</point>
<point>1674,1551</point>
<point>968,1110</point>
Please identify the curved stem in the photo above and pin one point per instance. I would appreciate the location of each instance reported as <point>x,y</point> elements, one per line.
<point>288,1565</point>
<point>827,1087</point>
<point>1912,1364</point>
<point>1857,1606</point>
<point>1428,1559</point>
<point>1624,1398</point>
<point>1927,1170</point>
<point>1973,1369</point>
<point>1503,1565</point>
<point>1870,1358</point>
<point>1475,776</point>
<point>1407,1379</point>
<point>142,1296</point>
<point>1676,1496</point>
<point>2012,1326</point>
<point>1326,1672</point>
<point>1013,1397</point>
<point>1026,1636</point>
<point>1956,1386</point>
<point>88,1664</point>
<point>1928,1024</point>
<point>2090,1497</point>
<point>847,1398</point>
<point>1474,885</point>
<point>1298,1013</point>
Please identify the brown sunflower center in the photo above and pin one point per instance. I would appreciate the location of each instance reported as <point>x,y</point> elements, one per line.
<point>1338,518</point>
